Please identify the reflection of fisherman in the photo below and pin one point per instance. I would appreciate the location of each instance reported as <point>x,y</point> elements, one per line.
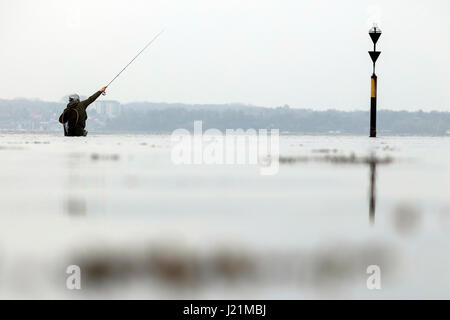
<point>74,116</point>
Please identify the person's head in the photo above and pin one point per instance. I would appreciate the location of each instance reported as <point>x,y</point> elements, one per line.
<point>74,98</point>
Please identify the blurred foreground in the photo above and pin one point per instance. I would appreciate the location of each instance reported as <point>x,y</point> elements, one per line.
<point>140,227</point>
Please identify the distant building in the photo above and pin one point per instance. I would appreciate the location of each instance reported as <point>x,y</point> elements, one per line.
<point>108,108</point>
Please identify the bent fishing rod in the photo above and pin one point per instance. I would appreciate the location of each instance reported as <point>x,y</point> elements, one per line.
<point>148,45</point>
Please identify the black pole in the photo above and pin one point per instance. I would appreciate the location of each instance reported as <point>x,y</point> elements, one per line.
<point>373,107</point>
<point>375,34</point>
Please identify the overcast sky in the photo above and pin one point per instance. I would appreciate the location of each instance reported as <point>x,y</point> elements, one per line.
<point>307,54</point>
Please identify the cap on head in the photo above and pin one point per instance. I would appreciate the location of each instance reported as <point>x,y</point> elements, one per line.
<point>74,97</point>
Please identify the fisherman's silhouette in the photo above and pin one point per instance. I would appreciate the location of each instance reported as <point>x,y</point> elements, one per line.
<point>74,116</point>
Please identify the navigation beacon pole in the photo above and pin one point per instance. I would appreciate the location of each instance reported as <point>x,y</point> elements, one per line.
<point>375,34</point>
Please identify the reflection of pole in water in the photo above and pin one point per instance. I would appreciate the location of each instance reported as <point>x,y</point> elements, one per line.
<point>373,167</point>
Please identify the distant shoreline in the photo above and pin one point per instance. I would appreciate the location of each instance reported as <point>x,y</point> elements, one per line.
<point>106,116</point>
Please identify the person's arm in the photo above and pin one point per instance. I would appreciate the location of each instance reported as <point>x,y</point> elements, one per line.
<point>92,98</point>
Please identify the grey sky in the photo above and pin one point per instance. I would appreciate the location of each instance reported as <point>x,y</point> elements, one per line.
<point>302,53</point>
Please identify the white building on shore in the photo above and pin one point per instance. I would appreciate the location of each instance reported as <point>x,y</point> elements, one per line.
<point>109,108</point>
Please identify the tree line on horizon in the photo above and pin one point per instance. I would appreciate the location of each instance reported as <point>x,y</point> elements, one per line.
<point>164,118</point>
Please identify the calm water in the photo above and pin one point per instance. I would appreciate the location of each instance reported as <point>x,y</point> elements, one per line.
<point>141,227</point>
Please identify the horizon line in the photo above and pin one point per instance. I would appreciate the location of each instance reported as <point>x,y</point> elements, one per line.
<point>421,109</point>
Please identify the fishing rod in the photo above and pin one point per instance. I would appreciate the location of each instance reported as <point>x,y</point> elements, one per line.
<point>148,44</point>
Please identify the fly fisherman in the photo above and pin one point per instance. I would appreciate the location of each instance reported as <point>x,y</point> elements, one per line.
<point>74,116</point>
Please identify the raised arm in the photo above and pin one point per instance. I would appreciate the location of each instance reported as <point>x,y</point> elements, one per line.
<point>92,98</point>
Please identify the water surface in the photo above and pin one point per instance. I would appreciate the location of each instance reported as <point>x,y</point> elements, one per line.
<point>142,227</point>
